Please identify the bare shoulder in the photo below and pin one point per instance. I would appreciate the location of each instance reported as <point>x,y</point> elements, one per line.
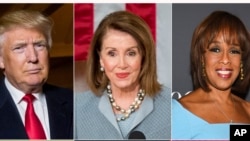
<point>247,107</point>
<point>245,104</point>
<point>192,97</point>
<point>193,101</point>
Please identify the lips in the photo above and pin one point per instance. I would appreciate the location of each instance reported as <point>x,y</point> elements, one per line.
<point>224,73</point>
<point>33,71</point>
<point>122,75</point>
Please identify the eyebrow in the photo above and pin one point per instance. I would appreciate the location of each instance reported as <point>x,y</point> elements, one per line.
<point>40,41</point>
<point>127,49</point>
<point>218,42</point>
<point>23,42</point>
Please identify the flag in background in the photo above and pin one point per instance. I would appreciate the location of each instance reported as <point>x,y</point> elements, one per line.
<point>158,17</point>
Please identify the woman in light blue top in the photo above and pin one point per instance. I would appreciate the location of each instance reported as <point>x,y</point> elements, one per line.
<point>125,99</point>
<point>191,126</point>
<point>220,56</point>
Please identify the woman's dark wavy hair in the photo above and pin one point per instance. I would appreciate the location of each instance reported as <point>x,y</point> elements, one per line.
<point>233,30</point>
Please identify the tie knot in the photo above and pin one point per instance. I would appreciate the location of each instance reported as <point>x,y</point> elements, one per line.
<point>28,98</point>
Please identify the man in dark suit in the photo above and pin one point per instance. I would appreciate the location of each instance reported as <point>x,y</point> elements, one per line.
<point>25,40</point>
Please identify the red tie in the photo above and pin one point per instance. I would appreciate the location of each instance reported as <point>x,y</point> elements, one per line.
<point>33,126</point>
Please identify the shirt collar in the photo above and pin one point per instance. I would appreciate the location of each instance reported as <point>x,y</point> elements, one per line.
<point>17,95</point>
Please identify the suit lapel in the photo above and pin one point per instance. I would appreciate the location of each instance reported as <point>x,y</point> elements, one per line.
<point>58,118</point>
<point>11,126</point>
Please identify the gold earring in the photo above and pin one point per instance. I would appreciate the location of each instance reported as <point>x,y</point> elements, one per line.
<point>203,69</point>
<point>241,72</point>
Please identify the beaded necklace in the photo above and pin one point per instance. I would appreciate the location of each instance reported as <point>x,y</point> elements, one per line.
<point>132,108</point>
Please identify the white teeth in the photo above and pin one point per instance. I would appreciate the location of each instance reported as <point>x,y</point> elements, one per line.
<point>224,72</point>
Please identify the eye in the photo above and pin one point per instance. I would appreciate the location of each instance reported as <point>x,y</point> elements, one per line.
<point>131,53</point>
<point>235,51</point>
<point>214,49</point>
<point>40,46</point>
<point>19,49</point>
<point>111,53</point>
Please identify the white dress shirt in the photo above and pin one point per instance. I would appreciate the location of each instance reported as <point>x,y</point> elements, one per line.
<point>40,106</point>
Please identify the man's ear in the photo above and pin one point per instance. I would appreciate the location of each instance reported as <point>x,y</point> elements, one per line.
<point>1,62</point>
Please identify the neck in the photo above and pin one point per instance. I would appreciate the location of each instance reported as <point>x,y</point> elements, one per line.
<point>124,97</point>
<point>221,96</point>
<point>224,102</point>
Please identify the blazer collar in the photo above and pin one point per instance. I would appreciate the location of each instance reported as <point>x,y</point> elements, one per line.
<point>59,118</point>
<point>106,109</point>
<point>11,125</point>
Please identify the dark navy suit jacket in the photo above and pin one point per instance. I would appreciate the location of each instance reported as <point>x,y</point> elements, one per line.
<point>60,111</point>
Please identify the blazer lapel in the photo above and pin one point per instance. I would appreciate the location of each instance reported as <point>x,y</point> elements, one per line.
<point>11,126</point>
<point>59,119</point>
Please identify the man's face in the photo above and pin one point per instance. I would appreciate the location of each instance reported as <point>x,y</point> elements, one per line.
<point>25,59</point>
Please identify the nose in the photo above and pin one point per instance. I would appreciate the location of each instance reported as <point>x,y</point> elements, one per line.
<point>122,62</point>
<point>225,58</point>
<point>31,54</point>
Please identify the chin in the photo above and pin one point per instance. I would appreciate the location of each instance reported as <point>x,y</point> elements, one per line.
<point>36,81</point>
<point>123,86</point>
